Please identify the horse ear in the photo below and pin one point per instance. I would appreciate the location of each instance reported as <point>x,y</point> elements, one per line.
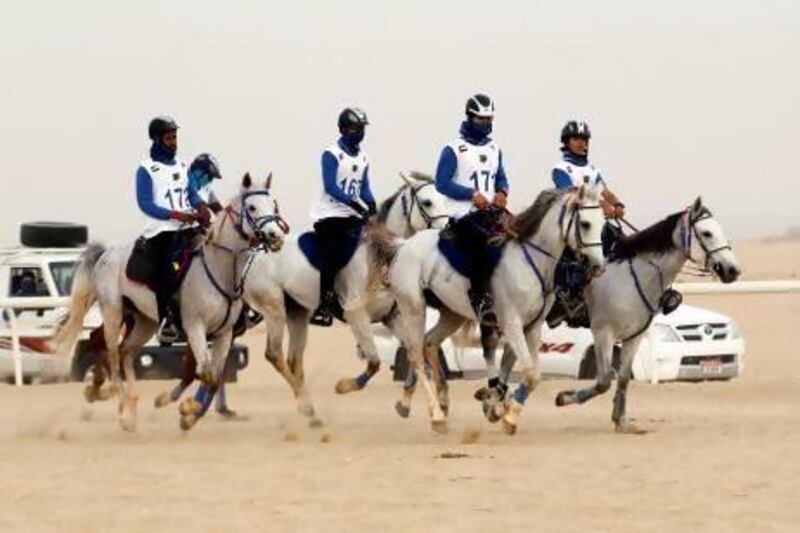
<point>269,181</point>
<point>582,192</point>
<point>697,205</point>
<point>247,181</point>
<point>406,179</point>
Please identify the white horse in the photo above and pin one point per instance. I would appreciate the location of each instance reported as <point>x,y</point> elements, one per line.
<point>284,287</point>
<point>521,285</point>
<point>210,297</point>
<point>624,299</point>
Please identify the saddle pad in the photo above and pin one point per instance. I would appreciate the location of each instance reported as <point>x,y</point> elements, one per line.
<point>459,260</point>
<point>141,268</point>
<point>310,248</point>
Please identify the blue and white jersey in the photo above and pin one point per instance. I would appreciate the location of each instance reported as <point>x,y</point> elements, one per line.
<point>166,190</point>
<point>350,178</point>
<point>573,171</point>
<point>476,169</point>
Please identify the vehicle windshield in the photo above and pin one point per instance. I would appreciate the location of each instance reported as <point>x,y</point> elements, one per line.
<point>63,272</point>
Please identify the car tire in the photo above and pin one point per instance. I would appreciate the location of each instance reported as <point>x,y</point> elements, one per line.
<point>53,234</point>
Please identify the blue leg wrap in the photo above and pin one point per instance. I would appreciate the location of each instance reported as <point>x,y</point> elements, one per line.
<point>362,380</point>
<point>521,394</point>
<point>204,396</point>
<point>221,400</point>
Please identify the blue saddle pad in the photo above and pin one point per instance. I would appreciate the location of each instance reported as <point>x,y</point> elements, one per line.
<point>458,258</point>
<point>310,248</point>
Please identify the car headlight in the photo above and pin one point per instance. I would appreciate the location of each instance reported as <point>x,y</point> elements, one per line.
<point>664,333</point>
<point>735,331</point>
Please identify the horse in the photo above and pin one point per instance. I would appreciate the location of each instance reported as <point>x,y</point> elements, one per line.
<point>624,299</point>
<point>209,298</point>
<point>521,285</point>
<point>416,205</point>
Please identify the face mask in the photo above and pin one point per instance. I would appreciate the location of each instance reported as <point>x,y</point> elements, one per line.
<point>480,130</point>
<point>353,138</point>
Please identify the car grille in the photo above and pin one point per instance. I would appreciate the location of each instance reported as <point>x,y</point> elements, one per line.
<point>694,360</point>
<point>716,331</point>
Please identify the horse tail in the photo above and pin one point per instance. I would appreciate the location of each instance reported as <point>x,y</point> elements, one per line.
<point>82,298</point>
<point>382,247</point>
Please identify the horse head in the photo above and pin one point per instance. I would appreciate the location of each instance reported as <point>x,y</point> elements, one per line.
<point>259,216</point>
<point>582,224</point>
<point>429,208</point>
<point>705,243</point>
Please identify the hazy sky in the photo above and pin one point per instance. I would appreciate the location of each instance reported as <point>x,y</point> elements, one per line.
<point>684,97</point>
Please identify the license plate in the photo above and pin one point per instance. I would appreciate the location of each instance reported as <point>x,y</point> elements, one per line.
<point>711,366</point>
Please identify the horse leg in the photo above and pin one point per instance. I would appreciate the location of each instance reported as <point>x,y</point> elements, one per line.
<point>112,320</point>
<point>212,368</point>
<point>360,324</point>
<point>621,422</point>
<point>140,329</point>
<point>189,375</point>
<point>297,325</point>
<point>94,391</point>
<point>274,350</point>
<point>603,352</point>
<point>221,403</point>
<point>448,324</point>
<point>493,395</point>
<point>523,344</point>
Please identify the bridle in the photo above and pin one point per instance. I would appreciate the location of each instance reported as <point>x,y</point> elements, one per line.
<point>256,224</point>
<point>574,221</point>
<point>408,210</point>
<point>689,229</point>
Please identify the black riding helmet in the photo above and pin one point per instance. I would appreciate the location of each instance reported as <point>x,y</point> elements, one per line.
<point>352,116</point>
<point>159,126</point>
<point>575,128</point>
<point>480,105</point>
<point>207,164</point>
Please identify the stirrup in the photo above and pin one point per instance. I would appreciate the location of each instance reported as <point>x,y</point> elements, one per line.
<point>322,317</point>
<point>670,300</point>
<point>168,332</point>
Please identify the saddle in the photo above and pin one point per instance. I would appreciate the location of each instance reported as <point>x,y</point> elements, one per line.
<point>144,267</point>
<point>308,243</point>
<point>454,249</point>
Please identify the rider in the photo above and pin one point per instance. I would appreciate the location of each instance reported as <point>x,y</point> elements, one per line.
<point>163,195</point>
<point>574,169</point>
<point>471,174</point>
<point>344,204</point>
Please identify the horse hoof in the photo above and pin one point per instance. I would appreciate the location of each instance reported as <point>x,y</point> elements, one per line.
<point>227,414</point>
<point>127,424</point>
<point>445,408</point>
<point>315,423</point>
<point>90,393</point>
<point>490,412</point>
<point>188,421</point>
<point>629,428</point>
<point>163,399</point>
<point>439,426</point>
<point>346,385</point>
<point>509,427</point>
<point>564,398</point>
<point>402,409</point>
<point>481,394</point>
<point>189,407</point>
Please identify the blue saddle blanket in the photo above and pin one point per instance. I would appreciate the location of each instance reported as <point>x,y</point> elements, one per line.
<point>310,248</point>
<point>459,259</point>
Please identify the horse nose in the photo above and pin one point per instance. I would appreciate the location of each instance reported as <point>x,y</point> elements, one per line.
<point>734,273</point>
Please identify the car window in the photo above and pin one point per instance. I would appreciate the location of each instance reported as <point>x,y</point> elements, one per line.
<point>27,282</point>
<point>63,272</point>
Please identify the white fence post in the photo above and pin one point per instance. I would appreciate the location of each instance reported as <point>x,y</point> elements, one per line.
<point>11,318</point>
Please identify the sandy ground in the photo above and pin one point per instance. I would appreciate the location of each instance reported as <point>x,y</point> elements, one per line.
<point>718,457</point>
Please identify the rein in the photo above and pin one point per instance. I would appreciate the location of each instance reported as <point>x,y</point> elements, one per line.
<point>408,210</point>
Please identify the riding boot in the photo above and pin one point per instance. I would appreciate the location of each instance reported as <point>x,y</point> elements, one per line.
<point>323,316</point>
<point>482,303</point>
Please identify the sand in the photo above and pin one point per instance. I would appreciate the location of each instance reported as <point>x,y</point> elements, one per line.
<point>718,456</point>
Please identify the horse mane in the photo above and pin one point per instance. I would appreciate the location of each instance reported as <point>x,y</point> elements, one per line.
<point>382,247</point>
<point>527,223</point>
<point>655,239</point>
<point>386,205</point>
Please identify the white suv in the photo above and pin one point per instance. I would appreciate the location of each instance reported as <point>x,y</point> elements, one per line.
<point>690,344</point>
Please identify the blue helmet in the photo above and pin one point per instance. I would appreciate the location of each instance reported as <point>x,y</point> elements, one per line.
<point>206,164</point>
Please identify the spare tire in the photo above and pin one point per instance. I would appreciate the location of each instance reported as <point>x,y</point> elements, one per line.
<point>53,234</point>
